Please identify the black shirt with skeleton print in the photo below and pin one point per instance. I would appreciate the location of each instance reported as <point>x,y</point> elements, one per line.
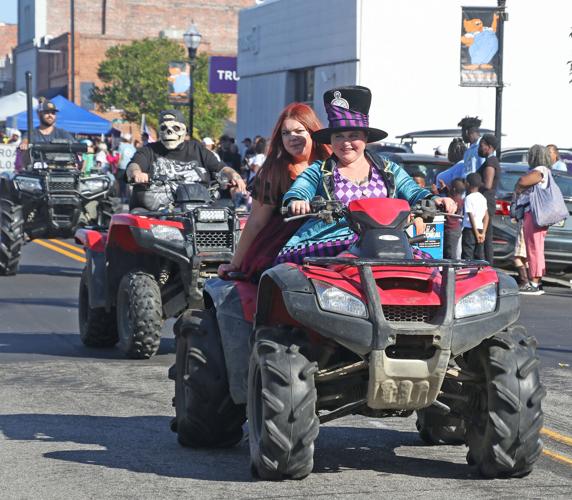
<point>191,160</point>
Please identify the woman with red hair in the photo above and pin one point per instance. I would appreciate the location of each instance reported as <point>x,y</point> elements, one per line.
<point>290,152</point>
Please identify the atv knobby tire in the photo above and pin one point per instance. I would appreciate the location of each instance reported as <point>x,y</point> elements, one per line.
<point>206,416</point>
<point>282,419</point>
<point>139,315</point>
<point>11,236</point>
<point>97,327</point>
<point>504,438</point>
<point>437,428</point>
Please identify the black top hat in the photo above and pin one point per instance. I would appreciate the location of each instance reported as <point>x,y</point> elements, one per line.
<point>45,105</point>
<point>347,109</point>
<point>171,115</point>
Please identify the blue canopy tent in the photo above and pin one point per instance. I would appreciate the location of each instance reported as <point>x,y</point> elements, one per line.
<point>70,117</point>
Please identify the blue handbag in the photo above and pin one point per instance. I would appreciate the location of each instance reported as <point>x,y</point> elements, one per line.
<point>547,204</point>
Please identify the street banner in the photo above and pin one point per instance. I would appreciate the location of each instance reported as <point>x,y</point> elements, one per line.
<point>222,75</point>
<point>179,82</point>
<point>7,157</point>
<point>479,47</point>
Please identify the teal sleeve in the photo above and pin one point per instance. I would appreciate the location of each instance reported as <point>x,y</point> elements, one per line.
<point>305,186</point>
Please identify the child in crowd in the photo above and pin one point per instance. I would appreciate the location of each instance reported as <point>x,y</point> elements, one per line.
<point>453,225</point>
<point>476,219</point>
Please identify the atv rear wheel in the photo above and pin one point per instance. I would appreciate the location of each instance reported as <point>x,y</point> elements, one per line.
<point>206,414</point>
<point>139,315</point>
<point>282,419</point>
<point>11,236</point>
<point>504,438</point>
<point>437,428</point>
<point>97,327</point>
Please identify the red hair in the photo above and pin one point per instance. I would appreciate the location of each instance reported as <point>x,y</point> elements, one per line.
<point>275,174</point>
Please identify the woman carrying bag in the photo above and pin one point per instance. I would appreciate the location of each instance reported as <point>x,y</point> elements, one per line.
<point>541,200</point>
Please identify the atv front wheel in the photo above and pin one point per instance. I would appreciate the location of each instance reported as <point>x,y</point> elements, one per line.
<point>436,428</point>
<point>282,419</point>
<point>97,327</point>
<point>139,315</point>
<point>11,236</point>
<point>504,437</point>
<point>206,414</point>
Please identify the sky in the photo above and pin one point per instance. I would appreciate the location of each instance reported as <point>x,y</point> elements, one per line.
<point>9,11</point>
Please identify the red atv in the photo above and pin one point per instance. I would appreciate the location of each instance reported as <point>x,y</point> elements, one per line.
<point>372,332</point>
<point>149,266</point>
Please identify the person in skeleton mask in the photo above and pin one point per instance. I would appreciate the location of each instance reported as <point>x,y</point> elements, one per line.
<point>174,158</point>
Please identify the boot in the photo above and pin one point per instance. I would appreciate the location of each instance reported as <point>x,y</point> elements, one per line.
<point>522,276</point>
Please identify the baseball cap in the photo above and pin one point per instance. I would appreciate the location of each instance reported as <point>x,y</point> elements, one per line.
<point>126,136</point>
<point>207,141</point>
<point>171,114</point>
<point>46,105</point>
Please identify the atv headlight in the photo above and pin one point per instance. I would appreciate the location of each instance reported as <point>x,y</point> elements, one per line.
<point>482,301</point>
<point>167,233</point>
<point>211,215</point>
<point>28,184</point>
<point>94,186</point>
<point>335,300</point>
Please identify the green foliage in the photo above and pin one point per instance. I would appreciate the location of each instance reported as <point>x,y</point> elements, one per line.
<point>135,81</point>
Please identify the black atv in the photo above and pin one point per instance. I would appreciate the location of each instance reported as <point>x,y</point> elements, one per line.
<point>50,199</point>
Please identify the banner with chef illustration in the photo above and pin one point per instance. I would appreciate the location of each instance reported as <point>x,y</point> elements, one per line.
<point>479,47</point>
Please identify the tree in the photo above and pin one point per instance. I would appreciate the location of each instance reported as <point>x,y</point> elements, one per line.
<point>135,81</point>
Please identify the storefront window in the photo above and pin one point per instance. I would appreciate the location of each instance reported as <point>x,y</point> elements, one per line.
<point>304,86</point>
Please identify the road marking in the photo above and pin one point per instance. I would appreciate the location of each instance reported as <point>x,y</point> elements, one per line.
<point>557,456</point>
<point>59,250</point>
<point>556,436</point>
<point>75,248</point>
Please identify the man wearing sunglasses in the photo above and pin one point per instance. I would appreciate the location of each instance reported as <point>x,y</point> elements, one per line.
<point>174,158</point>
<point>47,130</point>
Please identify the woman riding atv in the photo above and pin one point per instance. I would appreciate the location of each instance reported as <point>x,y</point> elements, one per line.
<point>291,151</point>
<point>349,174</point>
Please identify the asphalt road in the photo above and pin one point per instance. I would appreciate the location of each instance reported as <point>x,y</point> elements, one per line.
<point>84,423</point>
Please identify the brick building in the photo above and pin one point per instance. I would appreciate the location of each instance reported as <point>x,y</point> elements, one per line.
<point>8,40</point>
<point>45,41</point>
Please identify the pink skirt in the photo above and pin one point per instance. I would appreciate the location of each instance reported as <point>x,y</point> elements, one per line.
<point>534,240</point>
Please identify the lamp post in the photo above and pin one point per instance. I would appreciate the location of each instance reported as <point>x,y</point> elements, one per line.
<point>192,39</point>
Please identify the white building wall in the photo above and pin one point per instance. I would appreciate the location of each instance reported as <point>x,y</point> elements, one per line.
<point>407,52</point>
<point>280,36</point>
<point>410,60</point>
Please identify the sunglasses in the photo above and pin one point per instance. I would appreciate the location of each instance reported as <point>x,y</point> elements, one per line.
<point>48,112</point>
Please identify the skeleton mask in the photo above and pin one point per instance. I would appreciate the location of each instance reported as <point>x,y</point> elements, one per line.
<point>172,129</point>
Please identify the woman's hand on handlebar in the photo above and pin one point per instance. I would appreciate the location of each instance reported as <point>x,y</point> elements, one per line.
<point>299,207</point>
<point>446,204</point>
<point>140,178</point>
<point>224,269</point>
<point>237,182</point>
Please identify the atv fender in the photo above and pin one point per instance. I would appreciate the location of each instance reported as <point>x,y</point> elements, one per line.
<point>286,296</point>
<point>94,244</point>
<point>470,332</point>
<point>235,332</point>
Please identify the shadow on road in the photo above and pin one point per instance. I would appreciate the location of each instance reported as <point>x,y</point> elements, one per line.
<point>66,345</point>
<point>145,444</point>
<point>44,301</point>
<point>71,272</point>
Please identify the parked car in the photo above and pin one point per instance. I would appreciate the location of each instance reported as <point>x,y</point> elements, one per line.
<point>428,165</point>
<point>389,147</point>
<point>520,155</point>
<point>558,243</point>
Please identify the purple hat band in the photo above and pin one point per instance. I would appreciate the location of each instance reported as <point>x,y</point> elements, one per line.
<point>339,117</point>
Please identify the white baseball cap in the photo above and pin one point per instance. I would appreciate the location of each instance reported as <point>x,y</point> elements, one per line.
<point>207,141</point>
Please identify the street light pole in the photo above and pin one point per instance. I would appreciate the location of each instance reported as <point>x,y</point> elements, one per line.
<point>500,83</point>
<point>192,39</point>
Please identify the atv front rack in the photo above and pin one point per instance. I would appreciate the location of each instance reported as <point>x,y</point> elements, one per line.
<point>350,261</point>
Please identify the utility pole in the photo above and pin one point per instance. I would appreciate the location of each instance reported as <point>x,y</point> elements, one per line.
<point>503,16</point>
<point>72,50</point>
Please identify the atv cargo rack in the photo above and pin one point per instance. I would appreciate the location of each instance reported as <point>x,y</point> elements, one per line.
<point>351,261</point>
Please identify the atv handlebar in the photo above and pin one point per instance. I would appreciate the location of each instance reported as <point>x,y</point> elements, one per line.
<point>61,147</point>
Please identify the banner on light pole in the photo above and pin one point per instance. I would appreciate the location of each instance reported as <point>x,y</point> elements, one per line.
<point>479,47</point>
<point>179,82</point>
